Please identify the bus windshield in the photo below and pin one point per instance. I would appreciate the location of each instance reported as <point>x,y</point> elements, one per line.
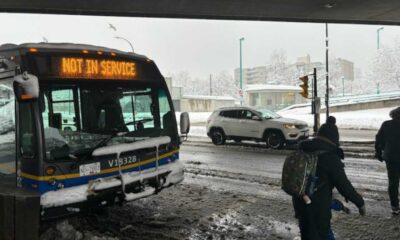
<point>77,118</point>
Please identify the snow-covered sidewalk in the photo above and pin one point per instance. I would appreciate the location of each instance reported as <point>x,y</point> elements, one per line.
<point>363,119</point>
<point>368,120</point>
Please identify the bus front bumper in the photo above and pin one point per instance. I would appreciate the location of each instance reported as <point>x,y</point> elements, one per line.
<point>104,192</point>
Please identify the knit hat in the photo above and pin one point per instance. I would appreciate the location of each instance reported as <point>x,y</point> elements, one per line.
<point>395,113</point>
<point>331,120</point>
<point>329,131</point>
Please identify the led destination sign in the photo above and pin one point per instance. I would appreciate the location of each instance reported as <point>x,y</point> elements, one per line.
<point>96,68</point>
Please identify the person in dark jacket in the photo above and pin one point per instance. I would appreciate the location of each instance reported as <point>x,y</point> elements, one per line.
<point>387,148</point>
<point>314,218</point>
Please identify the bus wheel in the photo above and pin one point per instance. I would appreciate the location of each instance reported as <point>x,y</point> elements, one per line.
<point>218,137</point>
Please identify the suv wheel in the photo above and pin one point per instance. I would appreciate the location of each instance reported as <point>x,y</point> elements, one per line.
<point>274,140</point>
<point>218,137</point>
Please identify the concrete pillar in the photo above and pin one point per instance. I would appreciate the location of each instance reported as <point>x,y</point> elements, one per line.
<point>19,213</point>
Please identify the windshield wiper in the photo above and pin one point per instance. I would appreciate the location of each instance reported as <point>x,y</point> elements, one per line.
<point>102,143</point>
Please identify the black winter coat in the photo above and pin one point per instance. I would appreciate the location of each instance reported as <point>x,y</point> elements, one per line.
<point>388,141</point>
<point>314,219</point>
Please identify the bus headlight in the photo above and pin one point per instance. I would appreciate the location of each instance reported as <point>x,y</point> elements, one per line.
<point>50,170</point>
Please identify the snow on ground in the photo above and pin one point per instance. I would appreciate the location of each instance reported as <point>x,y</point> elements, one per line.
<point>195,117</point>
<point>362,119</point>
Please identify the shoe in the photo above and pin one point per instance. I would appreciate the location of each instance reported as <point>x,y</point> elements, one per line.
<point>395,210</point>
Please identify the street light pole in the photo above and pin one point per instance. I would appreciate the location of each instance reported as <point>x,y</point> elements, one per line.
<point>377,47</point>
<point>377,37</point>
<point>241,71</point>
<point>327,71</point>
<point>126,40</point>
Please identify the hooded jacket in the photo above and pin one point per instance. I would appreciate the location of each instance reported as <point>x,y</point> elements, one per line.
<point>330,173</point>
<point>388,141</point>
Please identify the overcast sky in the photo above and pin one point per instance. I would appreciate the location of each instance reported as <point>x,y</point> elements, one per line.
<point>201,47</point>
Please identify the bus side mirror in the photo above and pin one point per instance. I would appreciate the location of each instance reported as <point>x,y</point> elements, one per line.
<point>26,87</point>
<point>184,124</point>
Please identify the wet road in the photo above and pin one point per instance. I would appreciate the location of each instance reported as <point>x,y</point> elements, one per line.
<point>233,192</point>
<point>255,170</point>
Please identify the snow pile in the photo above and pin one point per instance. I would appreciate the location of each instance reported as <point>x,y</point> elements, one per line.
<point>362,119</point>
<point>64,196</point>
<point>195,117</point>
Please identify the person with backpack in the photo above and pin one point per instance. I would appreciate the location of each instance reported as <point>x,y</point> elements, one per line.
<point>387,148</point>
<point>313,206</point>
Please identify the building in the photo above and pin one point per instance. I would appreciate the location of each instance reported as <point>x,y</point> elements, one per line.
<point>305,66</point>
<point>274,97</point>
<point>196,103</point>
<point>255,75</point>
<point>192,103</point>
<point>346,68</point>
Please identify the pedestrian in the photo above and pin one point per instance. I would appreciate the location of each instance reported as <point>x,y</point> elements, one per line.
<point>338,206</point>
<point>314,216</point>
<point>387,148</point>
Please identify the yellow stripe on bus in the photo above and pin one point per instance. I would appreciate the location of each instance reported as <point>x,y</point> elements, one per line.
<point>109,170</point>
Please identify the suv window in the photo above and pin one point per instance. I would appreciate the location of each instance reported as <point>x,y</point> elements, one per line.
<point>229,114</point>
<point>246,114</point>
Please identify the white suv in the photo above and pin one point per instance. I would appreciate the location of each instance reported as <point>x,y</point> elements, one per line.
<point>243,123</point>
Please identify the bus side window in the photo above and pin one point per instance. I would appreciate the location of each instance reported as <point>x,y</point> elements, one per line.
<point>7,128</point>
<point>27,136</point>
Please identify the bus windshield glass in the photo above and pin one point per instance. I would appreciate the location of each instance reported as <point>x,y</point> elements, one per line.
<point>76,119</point>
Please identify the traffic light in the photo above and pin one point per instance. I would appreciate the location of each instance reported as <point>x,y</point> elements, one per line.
<point>304,86</point>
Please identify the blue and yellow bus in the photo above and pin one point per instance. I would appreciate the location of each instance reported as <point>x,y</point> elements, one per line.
<point>86,126</point>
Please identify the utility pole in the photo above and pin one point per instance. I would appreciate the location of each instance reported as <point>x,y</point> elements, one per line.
<point>327,71</point>
<point>377,37</point>
<point>377,47</point>
<point>210,85</point>
<point>241,71</point>
<point>316,103</point>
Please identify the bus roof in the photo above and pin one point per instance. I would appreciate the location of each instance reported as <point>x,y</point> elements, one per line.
<point>66,47</point>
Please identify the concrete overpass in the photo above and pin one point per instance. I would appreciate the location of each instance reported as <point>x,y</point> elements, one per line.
<point>332,11</point>
<point>363,102</point>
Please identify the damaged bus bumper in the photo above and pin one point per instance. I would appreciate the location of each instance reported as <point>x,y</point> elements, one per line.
<point>103,192</point>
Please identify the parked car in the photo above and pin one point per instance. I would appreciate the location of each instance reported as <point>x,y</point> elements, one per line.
<point>244,123</point>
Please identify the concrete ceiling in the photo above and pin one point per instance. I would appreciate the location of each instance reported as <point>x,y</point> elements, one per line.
<point>334,11</point>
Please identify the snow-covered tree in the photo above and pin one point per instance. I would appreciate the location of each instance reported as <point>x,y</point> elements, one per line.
<point>223,84</point>
<point>280,71</point>
<point>385,69</point>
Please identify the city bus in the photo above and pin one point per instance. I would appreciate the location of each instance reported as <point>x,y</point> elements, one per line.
<point>86,126</point>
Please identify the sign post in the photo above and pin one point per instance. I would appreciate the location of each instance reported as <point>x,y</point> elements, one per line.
<point>241,96</point>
